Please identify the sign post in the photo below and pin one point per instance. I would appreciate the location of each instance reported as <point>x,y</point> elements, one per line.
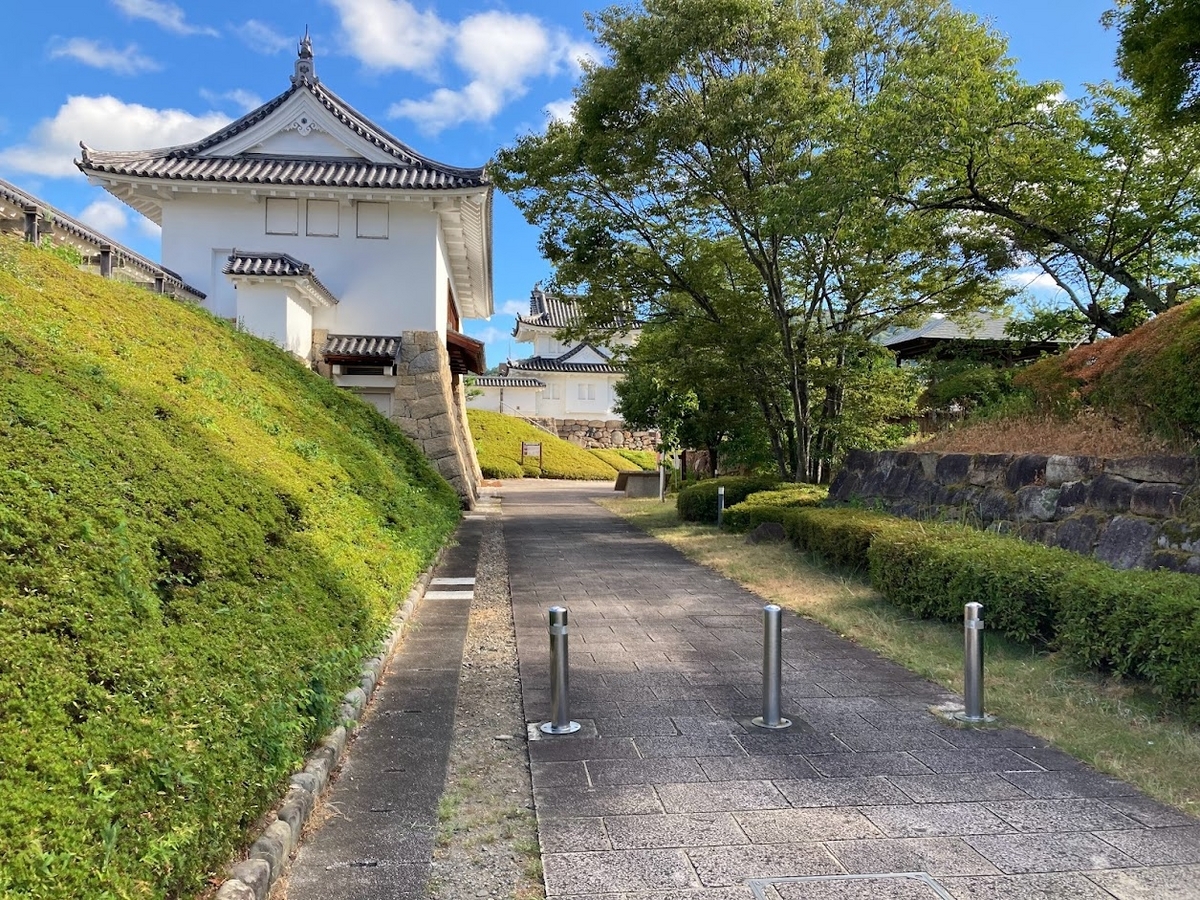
<point>530,449</point>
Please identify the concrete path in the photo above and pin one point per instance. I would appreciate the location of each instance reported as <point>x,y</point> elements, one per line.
<point>377,842</point>
<point>666,793</point>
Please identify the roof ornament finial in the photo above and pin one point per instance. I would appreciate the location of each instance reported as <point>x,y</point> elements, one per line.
<point>305,73</point>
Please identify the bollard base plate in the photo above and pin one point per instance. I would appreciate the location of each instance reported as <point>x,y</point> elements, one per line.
<point>962,716</point>
<point>760,722</point>
<point>551,728</point>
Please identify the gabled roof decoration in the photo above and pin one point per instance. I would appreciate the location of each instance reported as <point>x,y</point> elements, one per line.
<point>278,265</point>
<point>188,162</point>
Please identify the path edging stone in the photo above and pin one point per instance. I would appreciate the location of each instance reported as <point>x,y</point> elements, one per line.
<point>253,878</point>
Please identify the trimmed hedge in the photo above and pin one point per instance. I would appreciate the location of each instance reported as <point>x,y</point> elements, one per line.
<point>1130,623</point>
<point>498,446</point>
<point>200,540</point>
<point>770,506</point>
<point>698,502</point>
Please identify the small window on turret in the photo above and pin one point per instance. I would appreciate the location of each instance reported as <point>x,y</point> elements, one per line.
<point>283,215</point>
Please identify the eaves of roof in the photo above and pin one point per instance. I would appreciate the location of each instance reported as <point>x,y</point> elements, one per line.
<point>277,265</point>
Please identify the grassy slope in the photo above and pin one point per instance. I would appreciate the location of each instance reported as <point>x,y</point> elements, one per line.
<point>498,444</point>
<point>199,539</point>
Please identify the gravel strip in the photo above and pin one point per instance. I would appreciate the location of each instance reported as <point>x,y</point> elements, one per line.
<point>487,843</point>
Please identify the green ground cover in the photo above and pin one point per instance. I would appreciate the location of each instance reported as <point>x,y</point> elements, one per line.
<point>498,445</point>
<point>199,541</point>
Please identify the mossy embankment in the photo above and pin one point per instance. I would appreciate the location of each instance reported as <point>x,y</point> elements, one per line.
<point>199,541</point>
<point>498,440</point>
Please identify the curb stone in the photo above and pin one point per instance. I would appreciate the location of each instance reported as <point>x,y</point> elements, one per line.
<point>253,878</point>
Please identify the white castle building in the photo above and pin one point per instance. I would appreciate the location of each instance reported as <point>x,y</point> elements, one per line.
<point>313,227</point>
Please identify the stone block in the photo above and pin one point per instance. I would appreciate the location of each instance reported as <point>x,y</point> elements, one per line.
<point>1159,500</point>
<point>1111,493</point>
<point>845,485</point>
<point>929,465</point>
<point>425,362</point>
<point>1127,542</point>
<point>273,847</point>
<point>427,408</point>
<point>1176,469</point>
<point>1037,503</point>
<point>440,446</point>
<point>988,469</point>
<point>254,874</point>
<point>860,460</point>
<point>236,890</point>
<point>1078,534</point>
<point>1063,469</point>
<point>1028,469</point>
<point>952,468</point>
<point>898,480</point>
<point>1071,496</point>
<point>997,506</point>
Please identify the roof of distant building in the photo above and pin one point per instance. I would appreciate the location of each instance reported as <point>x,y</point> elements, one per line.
<point>556,313</point>
<point>939,331</point>
<point>502,381</point>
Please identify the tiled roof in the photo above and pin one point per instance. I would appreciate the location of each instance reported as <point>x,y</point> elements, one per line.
<point>500,381</point>
<point>172,283</point>
<point>548,311</point>
<point>973,328</point>
<point>276,265</point>
<point>361,348</point>
<point>545,364</point>
<point>408,169</point>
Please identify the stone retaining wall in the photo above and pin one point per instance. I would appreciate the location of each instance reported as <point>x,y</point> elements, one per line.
<point>589,433</point>
<point>1139,512</point>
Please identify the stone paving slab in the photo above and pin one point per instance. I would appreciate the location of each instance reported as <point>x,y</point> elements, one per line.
<point>667,792</point>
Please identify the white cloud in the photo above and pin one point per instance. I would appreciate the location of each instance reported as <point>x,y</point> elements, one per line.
<point>1031,280</point>
<point>106,123</point>
<point>165,15</point>
<point>502,52</point>
<point>149,228</point>
<point>104,56</point>
<point>244,100</point>
<point>262,37</point>
<point>391,34</point>
<point>514,308</point>
<point>107,216</point>
<point>560,110</point>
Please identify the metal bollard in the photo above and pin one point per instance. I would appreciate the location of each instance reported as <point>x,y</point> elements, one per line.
<point>772,670</point>
<point>720,505</point>
<point>662,483</point>
<point>560,722</point>
<point>973,663</point>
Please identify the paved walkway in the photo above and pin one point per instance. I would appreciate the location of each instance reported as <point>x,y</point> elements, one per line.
<point>665,793</point>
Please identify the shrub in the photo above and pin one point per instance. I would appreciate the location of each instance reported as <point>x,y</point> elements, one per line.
<point>771,506</point>
<point>199,541</point>
<point>698,502</point>
<point>935,570</point>
<point>498,446</point>
<point>840,536</point>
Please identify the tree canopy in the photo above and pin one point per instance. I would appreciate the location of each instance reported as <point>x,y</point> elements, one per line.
<point>1159,53</point>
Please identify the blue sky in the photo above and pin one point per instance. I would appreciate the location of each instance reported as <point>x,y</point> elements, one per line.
<point>456,80</point>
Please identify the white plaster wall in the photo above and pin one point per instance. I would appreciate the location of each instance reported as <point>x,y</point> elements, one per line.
<point>385,286</point>
<point>488,400</point>
<point>271,311</point>
<point>522,401</point>
<point>441,276</point>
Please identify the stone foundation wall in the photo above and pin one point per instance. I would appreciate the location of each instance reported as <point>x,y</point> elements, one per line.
<point>607,435</point>
<point>1140,512</point>
<point>429,407</point>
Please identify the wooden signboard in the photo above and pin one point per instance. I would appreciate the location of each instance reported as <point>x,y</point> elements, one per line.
<point>530,450</point>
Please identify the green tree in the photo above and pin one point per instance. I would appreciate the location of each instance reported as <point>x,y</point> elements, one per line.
<point>1091,192</point>
<point>1159,53</point>
<point>726,159</point>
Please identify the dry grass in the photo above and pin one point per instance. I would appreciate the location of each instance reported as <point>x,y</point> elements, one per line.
<point>1087,433</point>
<point>1114,727</point>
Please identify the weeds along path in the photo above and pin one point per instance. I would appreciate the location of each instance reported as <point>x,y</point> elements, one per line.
<point>487,841</point>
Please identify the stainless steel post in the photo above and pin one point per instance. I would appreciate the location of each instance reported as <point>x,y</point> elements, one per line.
<point>720,505</point>
<point>973,662</point>
<point>560,670</point>
<point>772,670</point>
<point>662,482</point>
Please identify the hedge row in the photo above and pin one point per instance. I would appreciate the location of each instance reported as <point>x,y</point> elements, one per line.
<point>1129,623</point>
<point>769,506</point>
<point>698,502</point>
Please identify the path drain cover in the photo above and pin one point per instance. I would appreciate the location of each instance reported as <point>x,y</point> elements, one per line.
<point>892,886</point>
